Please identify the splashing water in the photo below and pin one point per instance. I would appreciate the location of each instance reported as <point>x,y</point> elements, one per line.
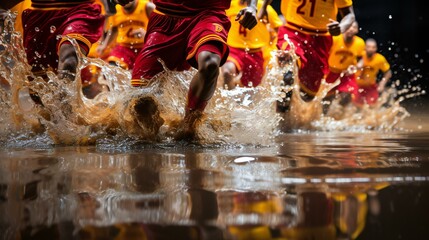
<point>386,114</point>
<point>301,113</point>
<point>68,117</point>
<point>239,116</point>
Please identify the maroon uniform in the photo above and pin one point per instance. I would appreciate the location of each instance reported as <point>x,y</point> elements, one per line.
<point>177,32</point>
<point>47,20</point>
<point>249,64</point>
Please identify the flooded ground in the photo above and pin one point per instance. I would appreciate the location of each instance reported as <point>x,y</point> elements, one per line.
<point>305,185</point>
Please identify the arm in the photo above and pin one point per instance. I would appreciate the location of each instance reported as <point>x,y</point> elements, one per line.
<point>386,77</point>
<point>247,15</point>
<point>347,15</point>
<point>109,38</point>
<point>140,32</point>
<point>263,11</point>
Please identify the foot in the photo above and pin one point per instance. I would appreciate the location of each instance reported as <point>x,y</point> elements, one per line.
<point>284,105</point>
<point>187,129</point>
<point>284,58</point>
<point>148,116</point>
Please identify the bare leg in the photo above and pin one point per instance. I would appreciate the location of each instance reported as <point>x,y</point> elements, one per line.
<point>229,71</point>
<point>201,89</point>
<point>67,62</point>
<point>67,67</point>
<point>204,82</point>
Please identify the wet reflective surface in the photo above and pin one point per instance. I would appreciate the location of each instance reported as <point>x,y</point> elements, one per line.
<point>305,185</point>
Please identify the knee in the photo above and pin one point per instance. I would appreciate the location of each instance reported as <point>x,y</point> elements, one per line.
<point>209,64</point>
<point>229,69</point>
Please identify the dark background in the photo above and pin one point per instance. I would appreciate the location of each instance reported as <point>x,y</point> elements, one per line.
<point>399,28</point>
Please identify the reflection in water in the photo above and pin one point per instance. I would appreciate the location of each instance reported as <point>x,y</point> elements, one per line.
<point>310,187</point>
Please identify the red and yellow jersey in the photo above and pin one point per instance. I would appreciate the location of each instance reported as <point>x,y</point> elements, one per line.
<point>257,37</point>
<point>128,22</point>
<point>189,7</point>
<point>311,16</point>
<point>367,76</point>
<point>343,54</point>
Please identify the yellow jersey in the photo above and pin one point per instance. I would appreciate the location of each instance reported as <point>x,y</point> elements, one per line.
<point>343,54</point>
<point>257,37</point>
<point>127,22</point>
<point>367,76</point>
<point>311,17</point>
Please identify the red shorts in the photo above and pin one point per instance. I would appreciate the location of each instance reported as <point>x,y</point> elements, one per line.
<point>41,28</point>
<point>313,53</point>
<point>347,83</point>
<point>250,64</point>
<point>124,56</point>
<point>367,94</point>
<point>178,40</point>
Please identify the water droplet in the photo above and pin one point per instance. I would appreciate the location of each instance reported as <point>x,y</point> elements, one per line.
<point>36,29</point>
<point>390,16</point>
<point>52,29</point>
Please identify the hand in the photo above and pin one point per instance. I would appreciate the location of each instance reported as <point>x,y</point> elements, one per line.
<point>137,33</point>
<point>262,14</point>
<point>334,27</point>
<point>352,69</point>
<point>247,17</point>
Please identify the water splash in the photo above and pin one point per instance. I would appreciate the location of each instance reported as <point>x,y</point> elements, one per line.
<point>68,117</point>
<point>385,115</point>
<point>302,113</point>
<point>239,116</point>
